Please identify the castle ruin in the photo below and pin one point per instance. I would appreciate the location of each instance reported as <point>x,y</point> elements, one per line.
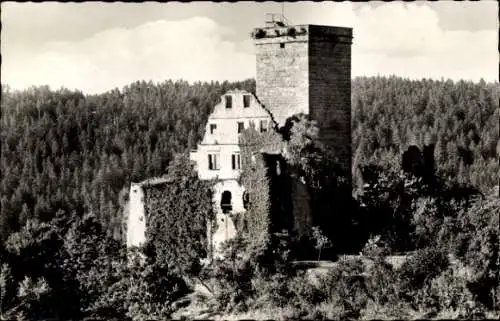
<point>300,69</point>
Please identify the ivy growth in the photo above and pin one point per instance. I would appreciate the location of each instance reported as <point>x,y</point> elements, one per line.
<point>177,214</point>
<point>298,152</point>
<point>255,180</point>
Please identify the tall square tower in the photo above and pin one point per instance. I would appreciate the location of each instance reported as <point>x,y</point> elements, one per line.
<point>307,69</point>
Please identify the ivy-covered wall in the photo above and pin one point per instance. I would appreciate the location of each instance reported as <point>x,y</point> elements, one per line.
<point>293,181</point>
<point>254,178</point>
<point>177,216</point>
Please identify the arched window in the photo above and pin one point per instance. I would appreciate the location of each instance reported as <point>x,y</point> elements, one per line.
<point>246,200</point>
<point>225,202</point>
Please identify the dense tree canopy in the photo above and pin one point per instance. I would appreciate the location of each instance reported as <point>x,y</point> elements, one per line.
<point>461,118</point>
<point>62,150</point>
<point>67,157</point>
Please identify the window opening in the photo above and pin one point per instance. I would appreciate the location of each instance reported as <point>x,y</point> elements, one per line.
<point>229,102</point>
<point>225,202</point>
<point>213,162</point>
<point>213,127</point>
<point>246,101</point>
<point>241,127</point>
<point>236,161</point>
<point>263,126</point>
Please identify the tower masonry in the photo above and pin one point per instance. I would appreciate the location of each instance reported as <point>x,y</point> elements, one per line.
<point>307,69</point>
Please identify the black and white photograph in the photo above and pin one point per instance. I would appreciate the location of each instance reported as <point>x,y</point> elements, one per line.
<point>250,160</point>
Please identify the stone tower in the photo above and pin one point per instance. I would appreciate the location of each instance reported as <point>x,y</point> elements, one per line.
<point>307,69</point>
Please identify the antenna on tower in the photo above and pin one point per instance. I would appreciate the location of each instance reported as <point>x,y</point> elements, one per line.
<point>277,19</point>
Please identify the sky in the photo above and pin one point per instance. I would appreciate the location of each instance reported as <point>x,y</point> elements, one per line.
<point>97,46</point>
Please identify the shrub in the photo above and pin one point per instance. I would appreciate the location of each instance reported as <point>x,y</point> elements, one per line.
<point>320,241</point>
<point>375,248</point>
<point>381,283</point>
<point>142,290</point>
<point>229,278</point>
<point>344,286</point>
<point>270,291</point>
<point>451,298</point>
<point>296,295</point>
<point>483,251</point>
<point>33,300</point>
<point>304,293</point>
<point>252,274</point>
<point>398,310</point>
<point>423,266</point>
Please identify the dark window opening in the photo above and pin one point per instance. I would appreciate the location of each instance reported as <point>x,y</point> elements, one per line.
<point>263,126</point>
<point>282,45</point>
<point>246,200</point>
<point>213,127</point>
<point>213,162</point>
<point>236,161</point>
<point>225,202</point>
<point>241,127</point>
<point>246,101</point>
<point>229,102</point>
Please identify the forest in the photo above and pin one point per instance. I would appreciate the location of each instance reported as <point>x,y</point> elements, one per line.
<point>67,160</point>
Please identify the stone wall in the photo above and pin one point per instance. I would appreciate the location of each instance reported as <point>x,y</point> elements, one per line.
<point>330,88</point>
<point>309,73</point>
<point>136,222</point>
<point>282,81</point>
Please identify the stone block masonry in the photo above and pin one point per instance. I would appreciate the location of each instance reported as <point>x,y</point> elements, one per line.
<point>307,69</point>
<point>330,87</point>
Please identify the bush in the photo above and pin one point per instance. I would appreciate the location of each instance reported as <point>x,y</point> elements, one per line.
<point>229,278</point>
<point>376,248</point>
<point>320,241</point>
<point>143,290</point>
<point>381,283</point>
<point>449,295</point>
<point>34,300</point>
<point>271,291</point>
<point>421,268</point>
<point>399,310</point>
<point>296,296</point>
<point>304,293</point>
<point>344,286</point>
<point>252,274</point>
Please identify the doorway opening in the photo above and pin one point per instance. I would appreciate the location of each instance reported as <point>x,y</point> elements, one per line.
<point>225,202</point>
